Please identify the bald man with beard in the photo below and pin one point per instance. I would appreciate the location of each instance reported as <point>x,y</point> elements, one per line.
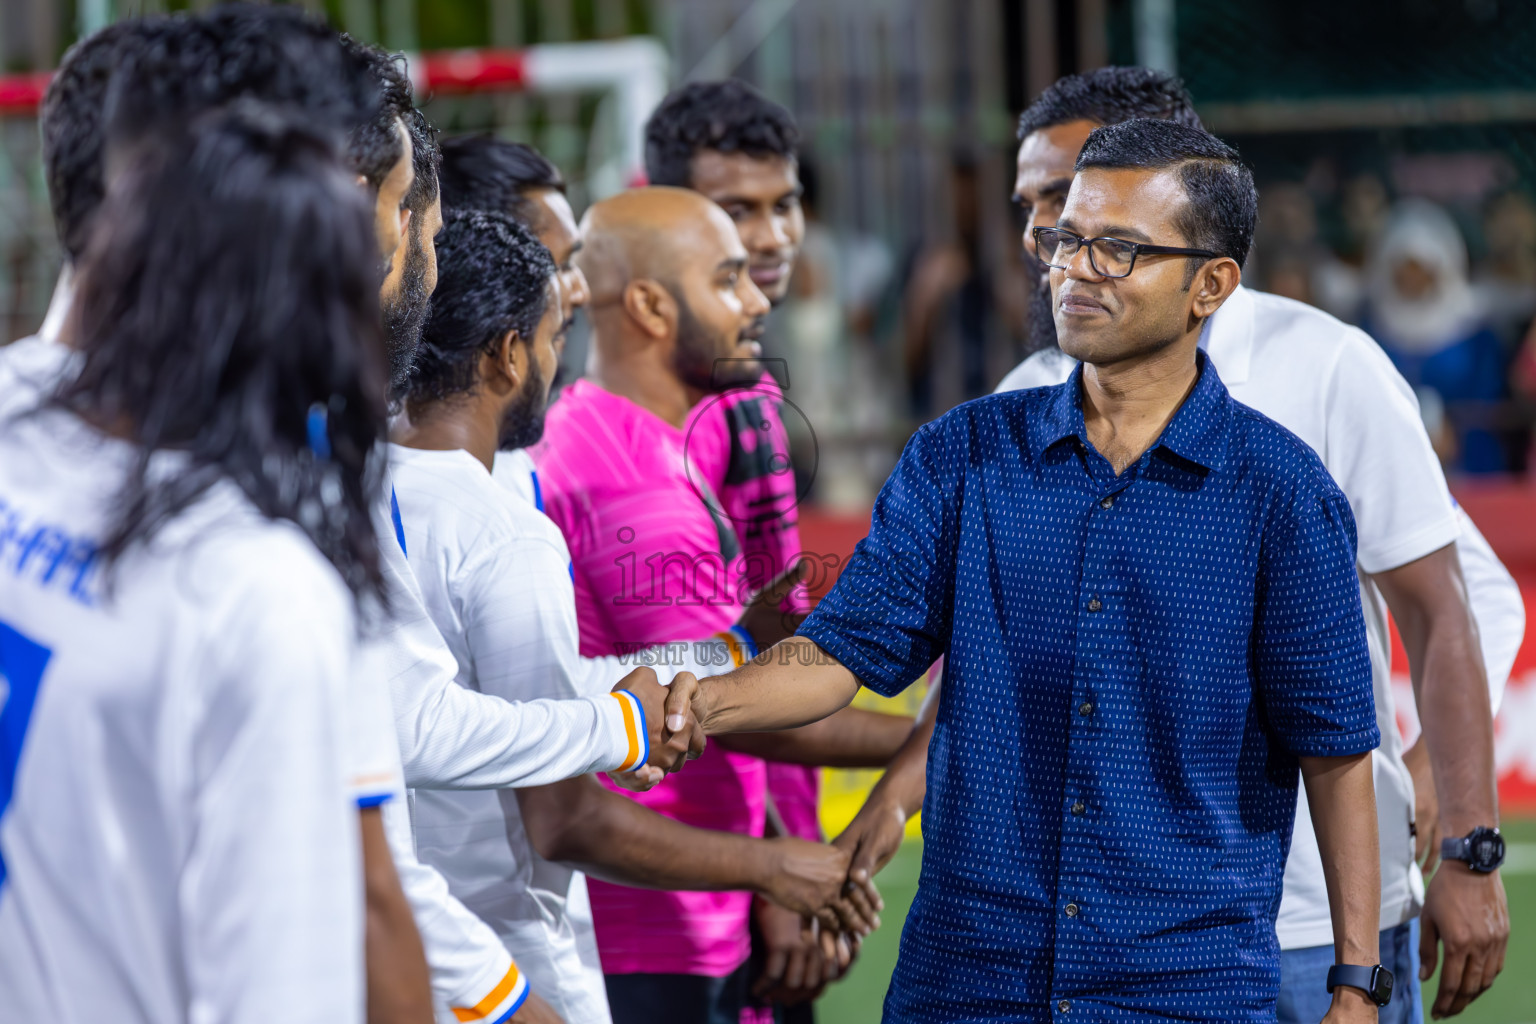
<point>654,562</point>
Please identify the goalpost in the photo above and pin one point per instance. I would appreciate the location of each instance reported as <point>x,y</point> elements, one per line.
<point>629,76</point>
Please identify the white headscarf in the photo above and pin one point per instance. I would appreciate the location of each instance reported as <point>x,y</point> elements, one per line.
<point>1421,231</point>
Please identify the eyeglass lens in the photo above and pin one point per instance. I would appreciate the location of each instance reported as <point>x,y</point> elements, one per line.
<point>1110,257</point>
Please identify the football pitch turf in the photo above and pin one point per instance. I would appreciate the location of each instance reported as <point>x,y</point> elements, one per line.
<point>1512,1000</point>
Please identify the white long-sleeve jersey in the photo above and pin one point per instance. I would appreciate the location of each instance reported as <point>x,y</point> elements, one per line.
<point>495,576</point>
<point>178,822</point>
<point>453,738</point>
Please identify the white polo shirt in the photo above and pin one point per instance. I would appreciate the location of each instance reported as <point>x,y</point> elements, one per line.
<point>1333,387</point>
<point>178,831</point>
<point>495,575</point>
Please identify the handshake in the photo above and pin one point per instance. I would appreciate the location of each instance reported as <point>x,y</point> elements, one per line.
<point>814,910</point>
<point>671,719</point>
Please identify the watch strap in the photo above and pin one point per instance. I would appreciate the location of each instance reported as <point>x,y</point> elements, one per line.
<point>1456,848</point>
<point>1375,981</point>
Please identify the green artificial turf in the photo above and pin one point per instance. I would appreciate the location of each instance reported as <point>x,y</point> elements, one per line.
<point>1512,1000</point>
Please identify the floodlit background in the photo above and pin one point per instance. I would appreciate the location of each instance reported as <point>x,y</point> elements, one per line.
<point>909,297</point>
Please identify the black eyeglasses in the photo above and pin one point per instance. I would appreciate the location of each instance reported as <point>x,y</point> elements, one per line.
<point>1109,257</point>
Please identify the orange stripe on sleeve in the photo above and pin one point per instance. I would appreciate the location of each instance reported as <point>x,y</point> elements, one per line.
<point>733,644</point>
<point>498,995</point>
<point>631,730</point>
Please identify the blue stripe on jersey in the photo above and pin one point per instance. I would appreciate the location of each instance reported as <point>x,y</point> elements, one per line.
<point>394,513</point>
<point>518,1005</point>
<point>538,491</point>
<point>22,662</point>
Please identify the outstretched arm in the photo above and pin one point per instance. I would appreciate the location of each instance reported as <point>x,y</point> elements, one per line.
<point>791,685</point>
<point>616,839</point>
<point>850,738</point>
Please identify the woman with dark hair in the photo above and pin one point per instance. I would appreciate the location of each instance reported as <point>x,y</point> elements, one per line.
<point>185,544</point>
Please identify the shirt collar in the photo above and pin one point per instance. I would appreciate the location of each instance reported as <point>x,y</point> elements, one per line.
<point>1228,336</point>
<point>1195,434</point>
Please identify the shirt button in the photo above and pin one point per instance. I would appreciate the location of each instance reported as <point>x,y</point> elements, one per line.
<point>1078,808</point>
<point>1071,909</point>
<point>1085,708</point>
<point>1064,1006</point>
<point>1107,502</point>
<point>1094,604</point>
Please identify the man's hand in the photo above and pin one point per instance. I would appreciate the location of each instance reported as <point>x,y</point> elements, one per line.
<point>764,618</point>
<point>795,969</point>
<point>674,734</point>
<point>872,839</point>
<point>1350,1006</point>
<point>1426,807</point>
<point>536,1011</point>
<point>811,880</point>
<point>1469,913</point>
<point>642,780</point>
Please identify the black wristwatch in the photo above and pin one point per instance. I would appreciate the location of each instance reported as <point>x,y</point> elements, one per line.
<point>1375,982</point>
<point>1482,849</point>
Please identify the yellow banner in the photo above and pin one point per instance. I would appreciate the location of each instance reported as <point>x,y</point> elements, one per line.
<point>843,790</point>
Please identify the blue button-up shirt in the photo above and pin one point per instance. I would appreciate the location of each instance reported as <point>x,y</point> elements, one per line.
<point>1134,664</point>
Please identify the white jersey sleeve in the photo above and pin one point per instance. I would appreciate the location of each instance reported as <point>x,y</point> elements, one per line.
<point>373,751</point>
<point>454,738</point>
<point>518,610</point>
<point>1378,453</point>
<point>473,975</point>
<point>1496,605</point>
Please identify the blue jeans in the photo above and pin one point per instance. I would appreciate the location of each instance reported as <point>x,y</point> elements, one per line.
<point>1304,997</point>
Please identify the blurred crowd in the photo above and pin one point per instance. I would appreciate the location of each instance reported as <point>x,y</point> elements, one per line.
<point>1448,291</point>
<point>1458,328</point>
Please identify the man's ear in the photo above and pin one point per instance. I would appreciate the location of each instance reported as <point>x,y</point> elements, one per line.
<point>1214,283</point>
<point>651,306</point>
<point>506,364</point>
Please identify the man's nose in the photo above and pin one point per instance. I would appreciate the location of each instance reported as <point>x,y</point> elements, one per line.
<point>753,303</point>
<point>1080,267</point>
<point>767,233</point>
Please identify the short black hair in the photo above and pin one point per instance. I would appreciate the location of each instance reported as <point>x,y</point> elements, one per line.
<point>373,147</point>
<point>227,309</point>
<point>1222,206</point>
<point>71,122</point>
<point>1109,96</point>
<point>482,172</point>
<point>127,79</point>
<point>728,116</point>
<point>493,276</point>
<point>279,55</point>
<point>426,161</point>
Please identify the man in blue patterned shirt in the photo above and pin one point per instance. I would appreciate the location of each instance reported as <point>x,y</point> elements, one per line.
<point>1147,599</point>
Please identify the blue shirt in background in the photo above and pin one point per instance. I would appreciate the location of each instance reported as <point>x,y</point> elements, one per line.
<point>1134,664</point>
